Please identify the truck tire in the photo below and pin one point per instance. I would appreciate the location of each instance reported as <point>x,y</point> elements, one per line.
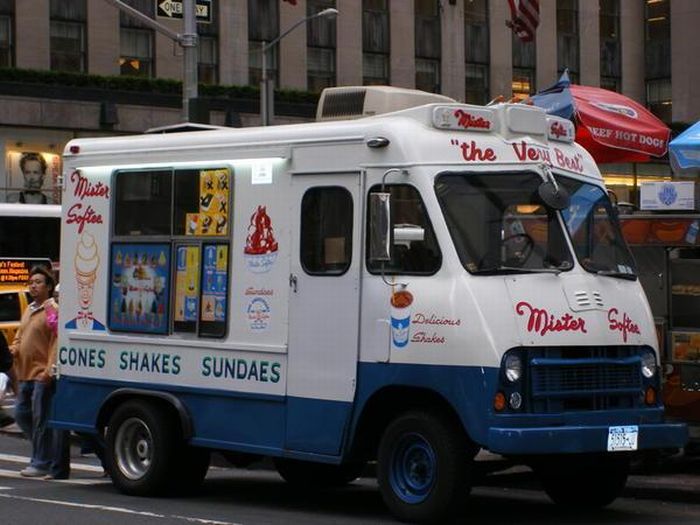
<point>317,475</point>
<point>587,482</point>
<point>193,468</point>
<point>424,467</point>
<point>143,442</point>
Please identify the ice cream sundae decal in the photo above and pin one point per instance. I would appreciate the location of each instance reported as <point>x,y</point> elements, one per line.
<point>401,317</point>
<point>260,247</point>
<point>86,263</point>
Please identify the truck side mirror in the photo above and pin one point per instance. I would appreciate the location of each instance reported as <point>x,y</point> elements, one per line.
<point>379,227</point>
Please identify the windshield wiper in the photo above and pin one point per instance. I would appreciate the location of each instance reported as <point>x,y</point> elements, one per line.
<point>514,269</point>
<point>621,275</point>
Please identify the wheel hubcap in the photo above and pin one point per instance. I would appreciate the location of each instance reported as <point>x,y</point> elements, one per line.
<point>134,448</point>
<point>413,468</point>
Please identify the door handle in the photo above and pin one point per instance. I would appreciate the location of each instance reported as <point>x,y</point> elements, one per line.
<point>293,282</point>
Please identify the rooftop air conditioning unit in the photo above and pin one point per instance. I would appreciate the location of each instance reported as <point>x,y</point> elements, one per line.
<point>348,102</point>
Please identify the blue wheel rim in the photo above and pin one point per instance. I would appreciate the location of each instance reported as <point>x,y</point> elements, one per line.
<point>413,468</point>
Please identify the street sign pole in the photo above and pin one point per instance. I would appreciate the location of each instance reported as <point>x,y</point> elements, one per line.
<point>189,44</point>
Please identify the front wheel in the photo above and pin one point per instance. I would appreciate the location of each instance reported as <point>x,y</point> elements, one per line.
<point>423,467</point>
<point>586,482</point>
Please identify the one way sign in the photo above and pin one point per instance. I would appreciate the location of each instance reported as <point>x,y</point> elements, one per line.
<point>173,9</point>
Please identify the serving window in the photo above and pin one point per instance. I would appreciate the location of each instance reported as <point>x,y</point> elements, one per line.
<point>171,241</point>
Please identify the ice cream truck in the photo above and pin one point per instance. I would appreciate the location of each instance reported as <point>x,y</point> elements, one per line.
<point>407,281</point>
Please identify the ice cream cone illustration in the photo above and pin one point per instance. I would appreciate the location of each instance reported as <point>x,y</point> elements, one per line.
<point>86,263</point>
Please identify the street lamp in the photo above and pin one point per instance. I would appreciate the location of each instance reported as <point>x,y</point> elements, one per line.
<point>267,91</point>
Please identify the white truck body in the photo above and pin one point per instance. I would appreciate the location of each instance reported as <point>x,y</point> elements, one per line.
<point>298,364</point>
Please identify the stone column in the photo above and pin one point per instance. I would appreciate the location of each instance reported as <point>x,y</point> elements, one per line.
<point>349,43</point>
<point>403,46</point>
<point>452,64</point>
<point>589,42</point>
<point>632,44</point>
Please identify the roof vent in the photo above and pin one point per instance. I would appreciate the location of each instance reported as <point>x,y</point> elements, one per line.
<point>341,103</point>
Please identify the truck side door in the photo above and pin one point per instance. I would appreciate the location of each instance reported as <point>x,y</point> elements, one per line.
<point>323,310</point>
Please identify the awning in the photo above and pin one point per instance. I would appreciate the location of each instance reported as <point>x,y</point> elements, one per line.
<point>685,149</point>
<point>611,126</point>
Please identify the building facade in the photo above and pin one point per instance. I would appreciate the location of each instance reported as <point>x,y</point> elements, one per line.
<point>460,48</point>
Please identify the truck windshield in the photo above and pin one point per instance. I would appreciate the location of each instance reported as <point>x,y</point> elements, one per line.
<point>499,225</point>
<point>595,231</point>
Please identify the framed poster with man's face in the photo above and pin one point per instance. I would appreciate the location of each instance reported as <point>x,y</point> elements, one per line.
<point>32,177</point>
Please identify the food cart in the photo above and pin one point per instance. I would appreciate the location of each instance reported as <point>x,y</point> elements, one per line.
<point>667,250</point>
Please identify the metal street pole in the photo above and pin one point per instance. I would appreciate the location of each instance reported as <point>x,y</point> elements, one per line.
<point>267,92</point>
<point>187,40</point>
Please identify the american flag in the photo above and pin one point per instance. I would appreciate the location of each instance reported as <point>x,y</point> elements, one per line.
<point>525,17</point>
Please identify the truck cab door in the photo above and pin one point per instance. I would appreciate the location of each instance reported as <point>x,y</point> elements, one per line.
<point>323,310</point>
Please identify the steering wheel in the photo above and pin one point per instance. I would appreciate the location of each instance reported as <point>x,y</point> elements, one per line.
<point>518,248</point>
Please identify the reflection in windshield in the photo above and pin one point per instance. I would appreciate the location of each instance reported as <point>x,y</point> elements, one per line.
<point>499,225</point>
<point>594,231</point>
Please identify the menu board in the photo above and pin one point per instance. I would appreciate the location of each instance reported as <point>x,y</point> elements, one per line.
<point>187,283</point>
<point>212,217</point>
<point>214,282</point>
<point>140,277</point>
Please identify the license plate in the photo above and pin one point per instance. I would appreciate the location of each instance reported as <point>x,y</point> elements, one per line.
<point>622,438</point>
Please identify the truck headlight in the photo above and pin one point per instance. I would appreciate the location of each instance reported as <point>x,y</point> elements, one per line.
<point>648,364</point>
<point>513,367</point>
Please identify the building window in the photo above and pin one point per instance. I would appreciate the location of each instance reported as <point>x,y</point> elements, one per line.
<point>263,27</point>
<point>375,42</point>
<point>136,52</point>
<point>476,51</point>
<point>208,63</point>
<point>321,42</point>
<point>658,57</point>
<point>610,56</point>
<point>6,41</point>
<point>567,38</point>
<point>136,41</point>
<point>659,98</point>
<point>524,67</point>
<point>67,34</point>
<point>208,48</point>
<point>428,45</point>
<point>326,231</point>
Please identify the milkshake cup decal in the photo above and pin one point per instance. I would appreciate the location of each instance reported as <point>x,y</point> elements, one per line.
<point>401,317</point>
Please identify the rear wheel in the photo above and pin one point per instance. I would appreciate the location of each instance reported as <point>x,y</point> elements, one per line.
<point>586,481</point>
<point>423,467</point>
<point>146,454</point>
<point>308,474</point>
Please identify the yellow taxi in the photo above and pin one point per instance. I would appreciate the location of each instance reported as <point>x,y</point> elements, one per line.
<point>14,298</point>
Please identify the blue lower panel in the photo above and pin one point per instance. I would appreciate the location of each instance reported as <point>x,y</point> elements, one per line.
<point>316,426</point>
<point>261,424</point>
<point>573,439</point>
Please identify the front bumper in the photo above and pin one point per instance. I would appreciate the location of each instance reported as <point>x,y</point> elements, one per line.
<point>580,439</point>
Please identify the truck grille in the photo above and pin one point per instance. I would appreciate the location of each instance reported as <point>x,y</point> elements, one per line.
<point>584,378</point>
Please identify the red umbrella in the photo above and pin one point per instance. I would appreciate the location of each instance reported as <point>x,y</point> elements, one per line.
<point>611,126</point>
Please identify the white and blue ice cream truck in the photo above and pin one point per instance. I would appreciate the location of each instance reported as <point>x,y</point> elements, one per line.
<point>407,287</point>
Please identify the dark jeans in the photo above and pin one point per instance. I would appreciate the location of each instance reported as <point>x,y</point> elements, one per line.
<point>50,447</point>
